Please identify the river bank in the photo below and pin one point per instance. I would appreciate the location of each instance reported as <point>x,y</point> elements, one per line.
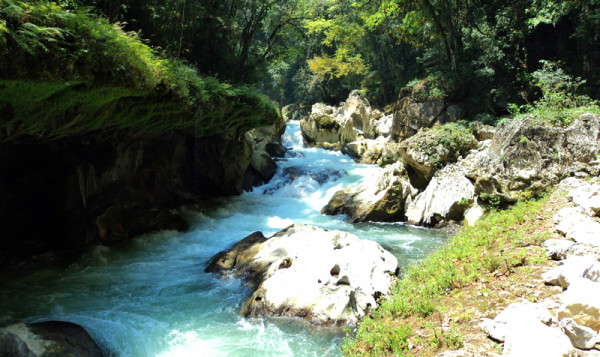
<point>439,305</point>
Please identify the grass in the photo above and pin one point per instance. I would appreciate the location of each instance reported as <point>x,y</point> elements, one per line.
<point>70,72</point>
<point>496,244</point>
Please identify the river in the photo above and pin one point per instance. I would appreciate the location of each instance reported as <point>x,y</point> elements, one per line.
<point>151,297</point>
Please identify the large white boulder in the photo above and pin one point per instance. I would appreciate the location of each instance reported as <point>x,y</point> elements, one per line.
<point>447,197</point>
<point>326,277</point>
<point>581,336</point>
<point>576,224</point>
<point>559,249</point>
<point>515,314</point>
<point>536,339</point>
<point>587,196</point>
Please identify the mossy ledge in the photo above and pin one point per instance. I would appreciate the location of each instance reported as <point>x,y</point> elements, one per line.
<point>68,73</point>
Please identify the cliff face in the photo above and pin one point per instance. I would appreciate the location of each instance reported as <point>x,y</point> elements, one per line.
<point>102,188</point>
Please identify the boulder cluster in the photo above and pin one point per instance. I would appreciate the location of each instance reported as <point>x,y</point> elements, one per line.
<point>445,171</point>
<point>570,326</point>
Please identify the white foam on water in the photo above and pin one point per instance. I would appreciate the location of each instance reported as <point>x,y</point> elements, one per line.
<point>151,297</point>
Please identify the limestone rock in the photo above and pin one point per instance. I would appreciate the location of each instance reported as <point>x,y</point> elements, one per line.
<point>366,151</point>
<point>484,132</point>
<point>587,196</point>
<point>326,277</point>
<point>569,184</point>
<point>46,339</point>
<point>295,112</point>
<point>526,157</point>
<point>473,214</point>
<point>390,153</point>
<point>537,339</point>
<point>381,199</point>
<point>383,125</point>
<point>263,164</point>
<point>322,128</point>
<point>358,110</point>
<point>515,314</point>
<point>227,262</point>
<point>580,336</point>
<point>332,127</point>
<point>575,223</point>
<point>557,248</point>
<point>447,197</point>
<point>580,302</point>
<point>429,150</point>
<point>410,116</point>
<point>574,268</point>
<point>577,249</point>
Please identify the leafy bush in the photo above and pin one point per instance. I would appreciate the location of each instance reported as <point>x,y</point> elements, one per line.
<point>560,104</point>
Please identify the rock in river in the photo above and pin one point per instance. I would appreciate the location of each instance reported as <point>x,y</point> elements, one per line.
<point>45,339</point>
<point>327,277</point>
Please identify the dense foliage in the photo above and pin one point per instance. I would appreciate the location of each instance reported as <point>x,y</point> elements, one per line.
<point>482,53</point>
<point>68,72</point>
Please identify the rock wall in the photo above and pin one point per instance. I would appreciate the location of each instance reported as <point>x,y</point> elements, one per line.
<point>102,188</point>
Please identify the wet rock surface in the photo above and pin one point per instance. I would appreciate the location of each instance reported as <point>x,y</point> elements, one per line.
<point>47,339</point>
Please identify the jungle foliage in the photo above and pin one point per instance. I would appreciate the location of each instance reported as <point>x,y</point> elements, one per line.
<point>483,53</point>
<point>66,72</point>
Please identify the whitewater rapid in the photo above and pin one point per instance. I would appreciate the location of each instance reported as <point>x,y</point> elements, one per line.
<point>151,297</point>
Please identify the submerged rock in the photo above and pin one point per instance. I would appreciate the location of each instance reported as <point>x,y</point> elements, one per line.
<point>382,198</point>
<point>47,339</point>
<point>326,277</point>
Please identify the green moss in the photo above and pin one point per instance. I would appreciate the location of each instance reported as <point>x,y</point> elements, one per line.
<point>67,73</point>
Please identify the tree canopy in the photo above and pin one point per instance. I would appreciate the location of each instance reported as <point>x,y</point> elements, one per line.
<point>481,51</point>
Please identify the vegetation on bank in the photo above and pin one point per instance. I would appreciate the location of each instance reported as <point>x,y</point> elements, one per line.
<point>496,244</point>
<point>560,102</point>
<point>68,72</point>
